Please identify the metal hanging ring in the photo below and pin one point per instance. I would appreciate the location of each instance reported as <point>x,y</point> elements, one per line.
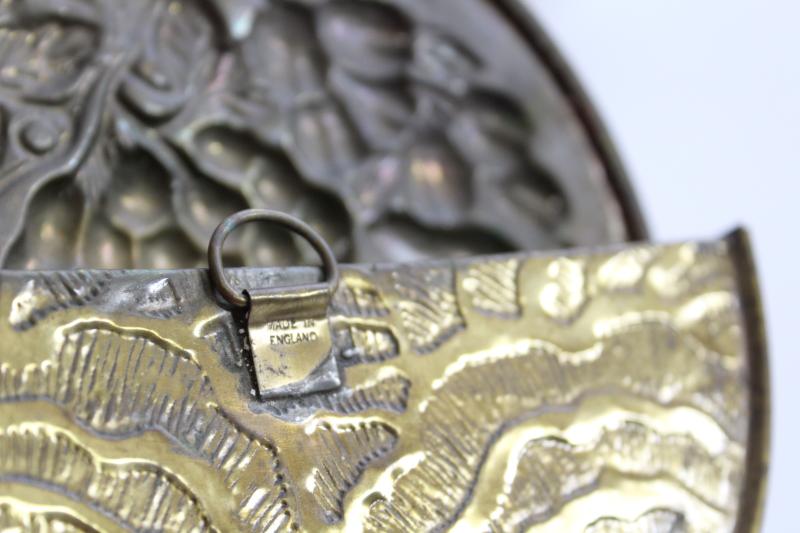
<point>216,269</point>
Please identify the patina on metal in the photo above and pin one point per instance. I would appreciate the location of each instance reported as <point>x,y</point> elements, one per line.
<point>616,389</point>
<point>287,327</point>
<point>398,129</point>
<point>594,389</point>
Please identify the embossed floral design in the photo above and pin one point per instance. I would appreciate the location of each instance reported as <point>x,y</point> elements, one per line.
<point>133,128</point>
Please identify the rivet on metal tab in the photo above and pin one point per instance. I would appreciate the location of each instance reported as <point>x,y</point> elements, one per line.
<point>287,327</point>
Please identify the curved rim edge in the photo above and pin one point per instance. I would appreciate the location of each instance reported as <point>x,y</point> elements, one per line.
<point>523,20</point>
<point>751,508</point>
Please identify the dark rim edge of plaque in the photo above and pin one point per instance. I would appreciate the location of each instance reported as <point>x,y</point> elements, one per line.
<point>754,487</point>
<point>525,23</point>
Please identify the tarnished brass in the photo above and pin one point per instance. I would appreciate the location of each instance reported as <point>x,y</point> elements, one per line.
<point>609,390</point>
<point>593,390</point>
<point>399,129</point>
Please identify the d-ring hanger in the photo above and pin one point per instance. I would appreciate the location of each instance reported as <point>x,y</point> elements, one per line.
<point>288,331</point>
<point>216,269</point>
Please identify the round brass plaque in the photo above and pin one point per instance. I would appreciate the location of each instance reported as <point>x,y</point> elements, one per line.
<point>398,129</point>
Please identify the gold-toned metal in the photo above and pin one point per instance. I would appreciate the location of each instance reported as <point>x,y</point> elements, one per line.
<point>608,390</point>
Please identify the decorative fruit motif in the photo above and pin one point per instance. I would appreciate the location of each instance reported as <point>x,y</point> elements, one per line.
<point>135,127</point>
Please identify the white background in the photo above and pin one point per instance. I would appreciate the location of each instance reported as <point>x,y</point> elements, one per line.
<point>702,98</point>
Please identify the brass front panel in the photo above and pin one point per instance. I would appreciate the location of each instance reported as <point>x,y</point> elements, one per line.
<point>617,390</point>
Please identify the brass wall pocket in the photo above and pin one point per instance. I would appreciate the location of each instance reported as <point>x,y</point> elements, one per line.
<point>465,382</point>
<point>609,389</point>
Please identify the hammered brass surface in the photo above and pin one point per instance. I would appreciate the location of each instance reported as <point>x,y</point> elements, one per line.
<point>615,390</point>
